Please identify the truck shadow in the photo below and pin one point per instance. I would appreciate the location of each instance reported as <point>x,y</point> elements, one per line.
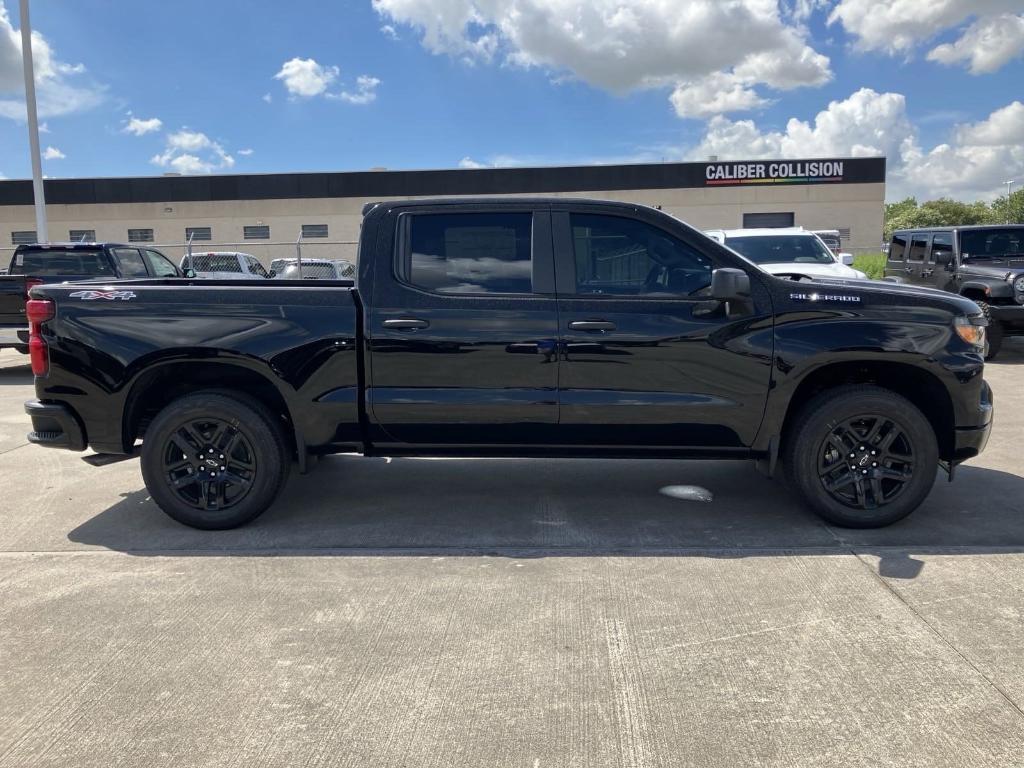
<point>16,374</point>
<point>531,508</point>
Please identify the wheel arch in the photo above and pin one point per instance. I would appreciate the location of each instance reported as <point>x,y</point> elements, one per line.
<point>917,385</point>
<point>160,384</point>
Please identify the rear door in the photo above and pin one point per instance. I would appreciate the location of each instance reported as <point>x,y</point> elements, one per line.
<point>649,360</point>
<point>917,250</point>
<point>130,262</point>
<point>462,327</point>
<point>896,260</point>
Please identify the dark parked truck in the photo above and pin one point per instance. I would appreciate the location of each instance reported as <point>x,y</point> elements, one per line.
<point>983,263</point>
<point>64,262</point>
<point>528,327</point>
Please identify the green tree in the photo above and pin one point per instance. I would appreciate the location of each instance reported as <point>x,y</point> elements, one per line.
<point>1009,209</point>
<point>944,212</point>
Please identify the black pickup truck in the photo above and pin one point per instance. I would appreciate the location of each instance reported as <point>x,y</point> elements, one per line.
<point>527,327</point>
<point>983,263</point>
<point>66,262</point>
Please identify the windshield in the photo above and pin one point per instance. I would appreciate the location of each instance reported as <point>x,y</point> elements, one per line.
<point>992,243</point>
<point>780,249</point>
<point>61,261</point>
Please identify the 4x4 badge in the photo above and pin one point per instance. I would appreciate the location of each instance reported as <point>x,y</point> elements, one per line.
<point>108,295</point>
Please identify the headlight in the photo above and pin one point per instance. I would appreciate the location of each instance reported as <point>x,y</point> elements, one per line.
<point>1018,284</point>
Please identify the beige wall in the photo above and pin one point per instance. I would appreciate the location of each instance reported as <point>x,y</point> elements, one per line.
<point>858,207</point>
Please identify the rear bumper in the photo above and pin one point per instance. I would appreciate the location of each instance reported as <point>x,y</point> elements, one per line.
<point>54,425</point>
<point>12,335</point>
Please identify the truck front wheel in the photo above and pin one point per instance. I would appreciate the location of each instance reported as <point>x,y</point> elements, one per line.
<point>862,456</point>
<point>214,461</point>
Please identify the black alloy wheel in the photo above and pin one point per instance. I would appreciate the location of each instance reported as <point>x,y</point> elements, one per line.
<point>866,462</point>
<point>215,460</point>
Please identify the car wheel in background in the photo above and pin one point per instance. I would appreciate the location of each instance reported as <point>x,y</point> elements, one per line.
<point>994,332</point>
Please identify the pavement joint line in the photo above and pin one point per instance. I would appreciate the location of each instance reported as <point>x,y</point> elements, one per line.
<point>941,637</point>
<point>527,551</point>
<point>9,450</point>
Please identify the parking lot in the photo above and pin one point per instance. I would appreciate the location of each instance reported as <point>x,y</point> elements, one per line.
<point>509,613</point>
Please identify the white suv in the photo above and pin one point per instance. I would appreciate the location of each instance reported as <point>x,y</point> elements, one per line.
<point>787,251</point>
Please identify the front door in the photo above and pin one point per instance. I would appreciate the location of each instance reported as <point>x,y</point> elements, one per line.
<point>462,330</point>
<point>649,360</point>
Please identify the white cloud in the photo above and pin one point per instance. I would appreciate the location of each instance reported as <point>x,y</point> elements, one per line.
<point>267,97</point>
<point>245,152</point>
<point>139,127</point>
<point>306,77</point>
<point>389,32</point>
<point>898,27</point>
<point>366,91</point>
<point>978,157</point>
<point>715,94</point>
<point>469,163</point>
<point>620,45</point>
<point>193,152</point>
<point>987,45</point>
<point>44,128</point>
<point>52,153</point>
<point>58,90</point>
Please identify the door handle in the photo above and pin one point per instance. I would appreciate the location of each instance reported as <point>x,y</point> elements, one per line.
<point>406,324</point>
<point>927,272</point>
<point>909,270</point>
<point>591,325</point>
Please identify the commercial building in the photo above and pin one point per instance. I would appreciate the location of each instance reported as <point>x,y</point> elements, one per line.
<point>265,214</point>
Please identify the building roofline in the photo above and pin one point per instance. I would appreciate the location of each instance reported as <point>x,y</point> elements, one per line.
<point>371,184</point>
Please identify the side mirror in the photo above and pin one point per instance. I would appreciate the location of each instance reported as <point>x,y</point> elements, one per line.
<point>943,258</point>
<point>729,284</point>
<point>846,258</point>
<point>189,273</point>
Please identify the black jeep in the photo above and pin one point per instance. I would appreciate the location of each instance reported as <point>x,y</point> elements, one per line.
<point>984,263</point>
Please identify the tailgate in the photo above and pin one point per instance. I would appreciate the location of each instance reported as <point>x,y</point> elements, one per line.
<point>12,300</point>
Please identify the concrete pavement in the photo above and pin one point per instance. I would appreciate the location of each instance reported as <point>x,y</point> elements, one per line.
<point>506,613</point>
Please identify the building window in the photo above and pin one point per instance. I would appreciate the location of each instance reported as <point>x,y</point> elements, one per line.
<point>140,235</point>
<point>25,237</point>
<point>82,235</point>
<point>314,230</point>
<point>767,220</point>
<point>256,232</point>
<point>198,233</point>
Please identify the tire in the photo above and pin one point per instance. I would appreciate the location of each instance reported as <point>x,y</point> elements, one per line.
<point>994,332</point>
<point>868,490</point>
<point>214,460</point>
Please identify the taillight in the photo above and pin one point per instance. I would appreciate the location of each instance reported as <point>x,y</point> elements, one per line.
<point>38,311</point>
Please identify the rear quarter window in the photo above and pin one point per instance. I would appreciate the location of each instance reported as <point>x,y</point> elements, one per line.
<point>898,247</point>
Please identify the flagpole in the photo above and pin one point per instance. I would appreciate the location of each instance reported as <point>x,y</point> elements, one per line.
<point>38,194</point>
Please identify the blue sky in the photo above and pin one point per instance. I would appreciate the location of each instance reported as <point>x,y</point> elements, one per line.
<point>221,86</point>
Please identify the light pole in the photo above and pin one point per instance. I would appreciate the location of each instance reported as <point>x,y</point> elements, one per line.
<point>1009,187</point>
<point>33,125</point>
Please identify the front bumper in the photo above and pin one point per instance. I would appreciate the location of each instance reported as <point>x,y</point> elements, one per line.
<point>970,441</point>
<point>55,425</point>
<point>1010,316</point>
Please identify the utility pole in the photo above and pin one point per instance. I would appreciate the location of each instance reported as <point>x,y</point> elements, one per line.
<point>1009,187</point>
<point>38,194</point>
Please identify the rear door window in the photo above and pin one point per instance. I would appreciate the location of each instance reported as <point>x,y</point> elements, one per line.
<point>469,253</point>
<point>942,241</point>
<point>58,261</point>
<point>918,247</point>
<point>898,247</point>
<point>132,264</point>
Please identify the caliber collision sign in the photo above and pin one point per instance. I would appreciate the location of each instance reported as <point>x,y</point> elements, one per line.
<point>777,172</point>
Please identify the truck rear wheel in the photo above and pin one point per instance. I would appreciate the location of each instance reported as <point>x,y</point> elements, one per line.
<point>994,332</point>
<point>862,456</point>
<point>214,461</point>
